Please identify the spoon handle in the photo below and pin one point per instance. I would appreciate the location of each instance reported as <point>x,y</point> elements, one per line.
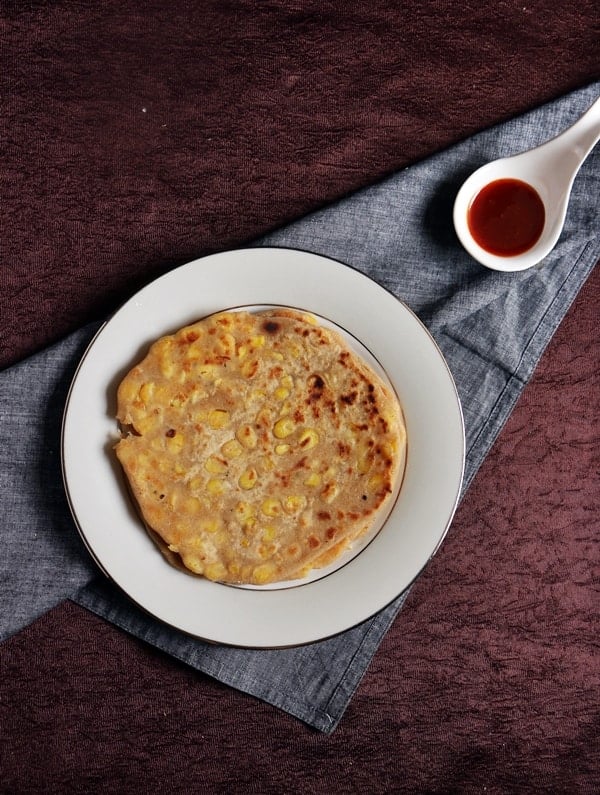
<point>562,156</point>
<point>585,133</point>
<point>577,141</point>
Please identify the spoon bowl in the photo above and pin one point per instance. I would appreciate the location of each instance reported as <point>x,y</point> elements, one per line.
<point>550,169</point>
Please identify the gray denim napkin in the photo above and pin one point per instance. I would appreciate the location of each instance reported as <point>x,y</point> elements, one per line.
<point>491,327</point>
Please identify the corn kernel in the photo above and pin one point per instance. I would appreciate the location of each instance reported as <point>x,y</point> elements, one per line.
<point>263,573</point>
<point>364,463</point>
<point>192,505</point>
<point>294,503</point>
<point>330,492</point>
<point>209,525</point>
<point>284,427</point>
<point>246,435</point>
<point>308,439</point>
<point>189,334</point>
<point>128,391</point>
<point>226,344</point>
<point>269,533</point>
<point>242,351</point>
<point>193,353</point>
<point>271,506</point>
<point>249,368</point>
<point>287,381</point>
<point>281,393</point>
<point>175,443</point>
<point>193,563</point>
<point>163,346</point>
<point>167,367</point>
<point>215,486</point>
<point>234,569</point>
<point>282,449</point>
<point>146,392</point>
<point>266,550</point>
<point>215,571</point>
<point>263,417</point>
<point>196,544</point>
<point>146,424</point>
<point>196,484</point>
<point>216,466</point>
<point>162,349</point>
<point>248,479</point>
<point>258,341</point>
<point>266,464</point>
<point>306,519</point>
<point>249,526</point>
<point>314,479</point>
<point>243,510</point>
<point>218,418</point>
<point>172,499</point>
<point>376,481</point>
<point>232,449</point>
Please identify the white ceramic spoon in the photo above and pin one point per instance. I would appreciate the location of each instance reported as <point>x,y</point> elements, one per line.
<point>550,169</point>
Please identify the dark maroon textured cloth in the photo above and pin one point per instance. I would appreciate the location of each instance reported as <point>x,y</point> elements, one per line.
<point>135,136</point>
<point>487,682</point>
<point>138,136</point>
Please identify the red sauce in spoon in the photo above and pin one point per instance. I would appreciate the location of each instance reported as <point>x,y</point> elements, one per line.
<point>506,217</point>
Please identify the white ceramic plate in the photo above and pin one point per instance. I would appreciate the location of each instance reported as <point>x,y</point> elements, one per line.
<point>372,575</point>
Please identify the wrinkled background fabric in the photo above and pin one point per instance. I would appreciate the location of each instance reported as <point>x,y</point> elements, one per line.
<point>135,138</point>
<point>463,695</point>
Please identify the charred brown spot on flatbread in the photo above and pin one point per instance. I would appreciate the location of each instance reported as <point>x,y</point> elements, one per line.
<point>257,446</point>
<point>271,326</point>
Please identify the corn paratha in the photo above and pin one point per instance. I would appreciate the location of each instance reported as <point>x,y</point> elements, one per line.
<point>258,446</point>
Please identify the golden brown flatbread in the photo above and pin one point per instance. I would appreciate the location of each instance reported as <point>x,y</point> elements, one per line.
<point>258,446</point>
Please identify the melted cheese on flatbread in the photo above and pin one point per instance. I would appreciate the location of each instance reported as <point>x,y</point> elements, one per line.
<point>257,446</point>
